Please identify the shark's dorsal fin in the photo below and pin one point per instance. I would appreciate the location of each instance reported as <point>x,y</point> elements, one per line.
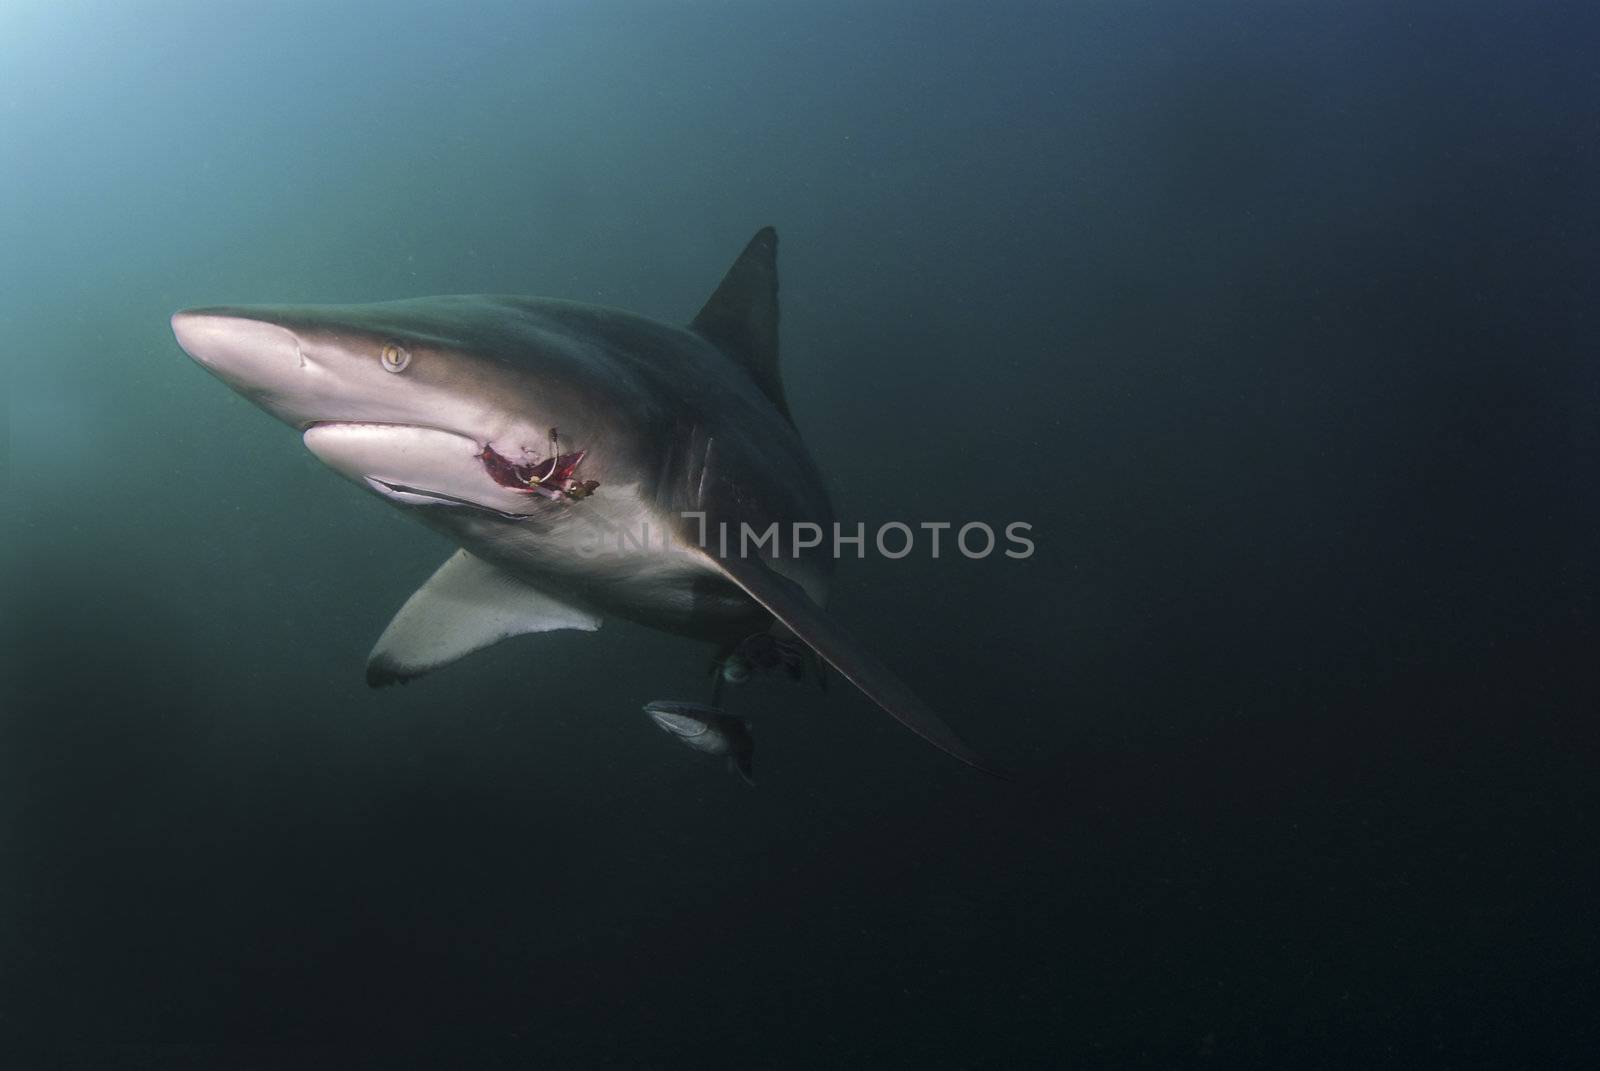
<point>465,606</point>
<point>741,318</point>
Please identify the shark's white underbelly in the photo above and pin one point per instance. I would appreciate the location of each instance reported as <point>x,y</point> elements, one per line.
<point>617,554</point>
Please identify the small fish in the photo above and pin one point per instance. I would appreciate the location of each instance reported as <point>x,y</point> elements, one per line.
<point>709,730</point>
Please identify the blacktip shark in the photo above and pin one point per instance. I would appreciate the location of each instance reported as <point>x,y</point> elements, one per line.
<point>521,427</point>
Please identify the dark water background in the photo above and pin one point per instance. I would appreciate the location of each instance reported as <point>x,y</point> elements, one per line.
<point>1276,321</point>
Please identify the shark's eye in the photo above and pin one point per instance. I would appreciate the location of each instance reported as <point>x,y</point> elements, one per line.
<point>395,358</point>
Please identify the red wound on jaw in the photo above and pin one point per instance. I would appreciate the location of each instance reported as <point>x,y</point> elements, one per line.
<point>553,477</point>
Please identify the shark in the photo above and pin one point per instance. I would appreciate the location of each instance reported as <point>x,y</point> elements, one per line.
<point>585,461</point>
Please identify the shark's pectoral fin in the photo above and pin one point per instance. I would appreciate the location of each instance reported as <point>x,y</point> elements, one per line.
<point>465,606</point>
<point>789,603</point>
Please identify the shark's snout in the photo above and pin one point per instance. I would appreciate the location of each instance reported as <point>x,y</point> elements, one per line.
<point>260,359</point>
<point>232,344</point>
<point>197,331</point>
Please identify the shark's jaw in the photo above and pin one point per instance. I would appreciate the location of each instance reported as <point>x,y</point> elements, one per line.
<point>419,496</point>
<point>412,465</point>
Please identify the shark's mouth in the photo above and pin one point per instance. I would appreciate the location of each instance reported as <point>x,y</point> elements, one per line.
<point>554,478</point>
<point>422,496</point>
<point>421,466</point>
